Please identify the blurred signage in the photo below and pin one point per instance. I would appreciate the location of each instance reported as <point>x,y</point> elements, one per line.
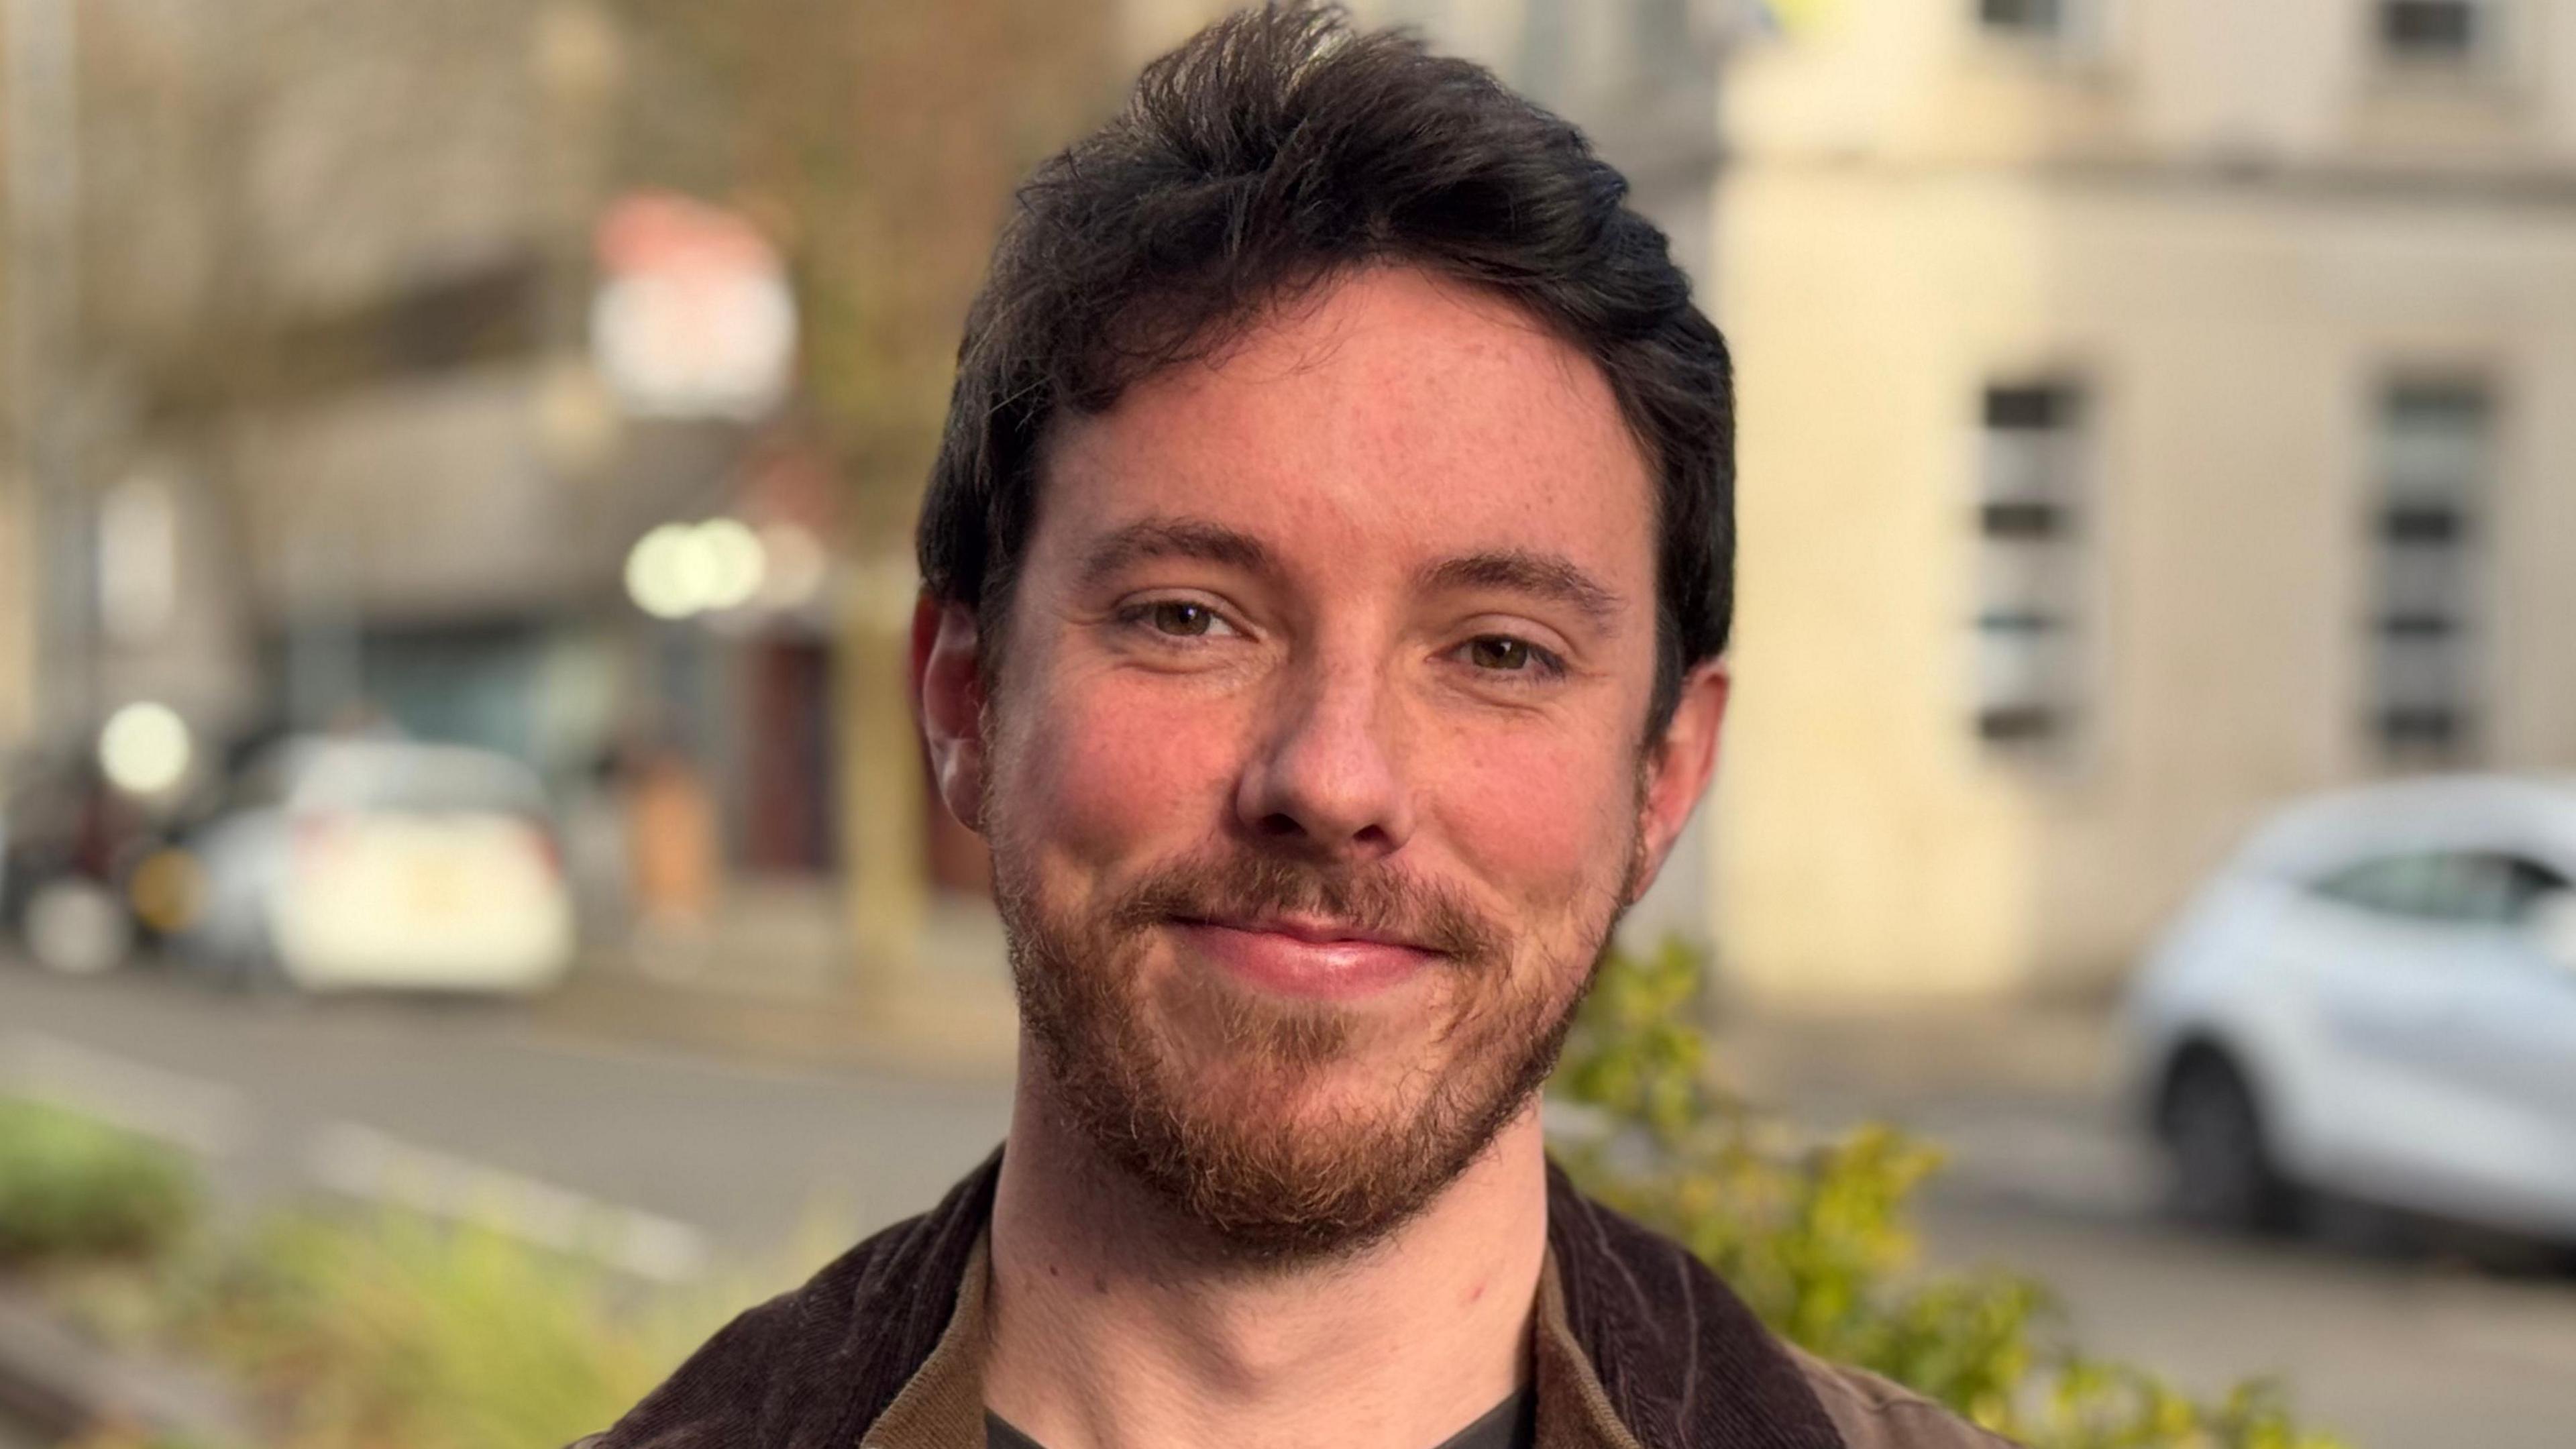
<point>693,318</point>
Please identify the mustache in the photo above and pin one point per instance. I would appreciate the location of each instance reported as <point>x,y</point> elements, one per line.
<point>1380,900</point>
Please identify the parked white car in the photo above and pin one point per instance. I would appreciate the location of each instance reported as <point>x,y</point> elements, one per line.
<point>2376,999</point>
<point>346,863</point>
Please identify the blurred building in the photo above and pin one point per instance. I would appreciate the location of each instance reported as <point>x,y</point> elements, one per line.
<point>2146,417</point>
<point>340,444</point>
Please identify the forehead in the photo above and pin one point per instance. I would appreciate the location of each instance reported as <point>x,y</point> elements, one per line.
<point>1392,413</point>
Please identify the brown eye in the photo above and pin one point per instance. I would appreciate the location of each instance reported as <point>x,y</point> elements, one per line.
<point>1188,620</point>
<point>1499,652</point>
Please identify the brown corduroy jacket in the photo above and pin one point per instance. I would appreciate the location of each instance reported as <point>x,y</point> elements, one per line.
<point>1638,1347</point>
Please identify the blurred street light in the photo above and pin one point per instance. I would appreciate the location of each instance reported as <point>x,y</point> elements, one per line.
<point>734,563</point>
<point>683,569</point>
<point>145,748</point>
<point>662,573</point>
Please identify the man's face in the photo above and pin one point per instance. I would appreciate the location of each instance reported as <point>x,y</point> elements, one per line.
<point>1312,768</point>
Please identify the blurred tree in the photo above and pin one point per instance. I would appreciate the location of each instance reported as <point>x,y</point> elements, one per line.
<point>878,141</point>
<point>283,203</point>
<point>292,200</point>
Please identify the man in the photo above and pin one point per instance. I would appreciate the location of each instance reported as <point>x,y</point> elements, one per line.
<point>1326,574</point>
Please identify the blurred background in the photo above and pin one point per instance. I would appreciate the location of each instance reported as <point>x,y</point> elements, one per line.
<point>455,559</point>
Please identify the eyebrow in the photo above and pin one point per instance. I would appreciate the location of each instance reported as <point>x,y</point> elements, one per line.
<point>1537,575</point>
<point>1175,538</point>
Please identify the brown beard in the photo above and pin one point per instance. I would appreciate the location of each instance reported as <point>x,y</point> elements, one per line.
<point>1219,1138</point>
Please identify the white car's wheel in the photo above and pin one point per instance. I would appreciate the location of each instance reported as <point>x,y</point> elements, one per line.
<point>2221,1166</point>
<point>77,927</point>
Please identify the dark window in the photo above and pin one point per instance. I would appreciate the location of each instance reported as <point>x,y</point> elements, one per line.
<point>2427,729</point>
<point>2022,17</point>
<point>2434,459</point>
<point>2030,407</point>
<point>2022,518</point>
<point>2431,30</point>
<point>2533,880</point>
<point>2028,565</point>
<point>2421,523</point>
<point>2469,888</point>
<point>2007,724</point>
<point>2390,886</point>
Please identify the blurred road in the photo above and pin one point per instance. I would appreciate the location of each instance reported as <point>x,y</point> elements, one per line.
<point>404,1098</point>
<point>712,1161</point>
<point>2391,1354</point>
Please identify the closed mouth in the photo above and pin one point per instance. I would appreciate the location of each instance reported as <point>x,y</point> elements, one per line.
<point>1312,931</point>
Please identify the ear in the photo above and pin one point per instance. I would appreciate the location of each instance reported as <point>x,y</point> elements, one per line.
<point>948,699</point>
<point>1678,765</point>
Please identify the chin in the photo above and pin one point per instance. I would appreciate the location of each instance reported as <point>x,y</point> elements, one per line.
<point>1337,1101</point>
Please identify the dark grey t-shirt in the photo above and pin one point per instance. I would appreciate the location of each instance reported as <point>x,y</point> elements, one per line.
<point>1513,1424</point>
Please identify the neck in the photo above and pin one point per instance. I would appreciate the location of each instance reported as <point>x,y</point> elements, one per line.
<point>1113,1325</point>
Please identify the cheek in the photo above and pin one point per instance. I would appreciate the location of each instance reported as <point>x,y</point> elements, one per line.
<point>1099,771</point>
<point>1544,818</point>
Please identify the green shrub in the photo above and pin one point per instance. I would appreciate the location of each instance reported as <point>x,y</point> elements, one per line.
<point>392,1330</point>
<point>73,1189</point>
<point>1816,1239</point>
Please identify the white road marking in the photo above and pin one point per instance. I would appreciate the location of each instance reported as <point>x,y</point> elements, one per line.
<point>360,1161</point>
<point>201,1116</point>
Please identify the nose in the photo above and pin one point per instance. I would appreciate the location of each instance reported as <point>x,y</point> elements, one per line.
<point>1327,780</point>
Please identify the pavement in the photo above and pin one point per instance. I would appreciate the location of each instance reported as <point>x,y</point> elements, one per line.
<point>698,1159</point>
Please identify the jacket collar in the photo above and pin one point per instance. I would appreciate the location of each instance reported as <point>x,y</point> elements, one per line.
<point>1667,1352</point>
<point>1684,1363</point>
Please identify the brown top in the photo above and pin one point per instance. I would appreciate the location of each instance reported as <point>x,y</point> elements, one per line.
<point>943,1406</point>
<point>1637,1346</point>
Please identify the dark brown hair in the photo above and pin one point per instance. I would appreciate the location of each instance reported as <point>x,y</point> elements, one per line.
<point>1275,150</point>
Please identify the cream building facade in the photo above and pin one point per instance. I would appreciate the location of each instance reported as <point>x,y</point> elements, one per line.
<point>2152,410</point>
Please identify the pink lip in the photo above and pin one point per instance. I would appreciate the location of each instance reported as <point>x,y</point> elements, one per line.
<point>1296,958</point>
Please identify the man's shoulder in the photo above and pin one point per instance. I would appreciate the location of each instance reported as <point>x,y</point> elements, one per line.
<point>754,1373</point>
<point>807,1366</point>
<point>1871,1412</point>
